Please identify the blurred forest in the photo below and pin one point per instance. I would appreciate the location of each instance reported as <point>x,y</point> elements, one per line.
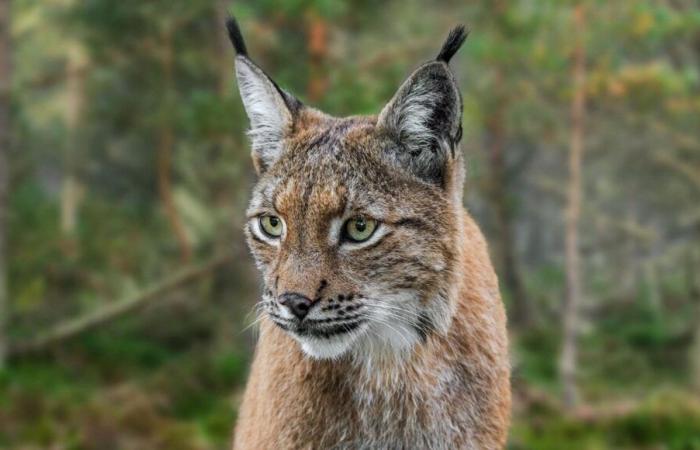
<point>126,289</point>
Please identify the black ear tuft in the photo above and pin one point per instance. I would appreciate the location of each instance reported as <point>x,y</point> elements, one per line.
<point>453,42</point>
<point>234,34</point>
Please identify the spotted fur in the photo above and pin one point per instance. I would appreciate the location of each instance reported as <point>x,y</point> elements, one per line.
<point>403,342</point>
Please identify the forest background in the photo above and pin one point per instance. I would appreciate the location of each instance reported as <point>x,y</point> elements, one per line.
<point>126,289</point>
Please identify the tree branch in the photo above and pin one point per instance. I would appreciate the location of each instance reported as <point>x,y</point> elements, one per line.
<point>73,327</point>
<point>691,173</point>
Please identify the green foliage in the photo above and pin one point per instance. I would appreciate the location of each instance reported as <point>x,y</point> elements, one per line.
<point>179,400</point>
<point>537,356</point>
<point>666,419</point>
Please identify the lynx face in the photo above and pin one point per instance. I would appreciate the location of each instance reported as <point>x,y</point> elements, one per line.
<point>353,221</point>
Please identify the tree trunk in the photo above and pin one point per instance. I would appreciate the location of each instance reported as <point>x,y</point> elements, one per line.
<point>317,43</point>
<point>498,193</point>
<point>572,300</point>
<point>225,67</point>
<point>695,352</point>
<point>71,187</point>
<point>166,142</point>
<point>5,71</point>
<point>520,314</point>
<point>693,288</point>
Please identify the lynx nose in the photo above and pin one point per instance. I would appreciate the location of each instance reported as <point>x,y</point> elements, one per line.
<point>297,304</point>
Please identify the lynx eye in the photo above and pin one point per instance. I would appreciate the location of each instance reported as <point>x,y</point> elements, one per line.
<point>271,225</point>
<point>359,229</point>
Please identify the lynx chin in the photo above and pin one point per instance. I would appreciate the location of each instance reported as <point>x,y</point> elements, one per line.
<point>382,325</point>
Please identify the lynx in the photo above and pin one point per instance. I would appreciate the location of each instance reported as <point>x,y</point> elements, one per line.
<point>382,325</point>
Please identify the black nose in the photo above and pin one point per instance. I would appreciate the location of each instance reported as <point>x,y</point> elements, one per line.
<point>297,304</point>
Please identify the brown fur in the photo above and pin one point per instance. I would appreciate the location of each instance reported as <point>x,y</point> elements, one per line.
<point>291,400</point>
<point>404,343</point>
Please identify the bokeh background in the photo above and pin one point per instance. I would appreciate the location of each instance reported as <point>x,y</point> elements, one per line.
<point>126,289</point>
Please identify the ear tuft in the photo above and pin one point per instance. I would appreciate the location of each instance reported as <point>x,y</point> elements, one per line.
<point>270,109</point>
<point>234,34</point>
<point>270,117</point>
<point>424,117</point>
<point>453,43</point>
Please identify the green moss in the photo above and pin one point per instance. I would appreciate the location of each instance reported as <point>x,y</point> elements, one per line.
<point>668,419</point>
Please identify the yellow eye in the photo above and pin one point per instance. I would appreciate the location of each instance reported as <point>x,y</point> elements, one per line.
<point>359,229</point>
<point>271,225</point>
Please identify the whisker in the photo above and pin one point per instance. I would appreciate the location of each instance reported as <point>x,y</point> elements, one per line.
<point>258,319</point>
<point>385,323</point>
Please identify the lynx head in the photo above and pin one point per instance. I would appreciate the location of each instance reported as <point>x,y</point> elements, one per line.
<point>354,222</point>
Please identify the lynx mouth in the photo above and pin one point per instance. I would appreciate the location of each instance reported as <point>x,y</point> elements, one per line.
<point>327,338</point>
<point>329,331</point>
<point>319,328</point>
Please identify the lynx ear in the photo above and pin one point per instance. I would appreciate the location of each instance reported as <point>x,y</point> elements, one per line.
<point>271,110</point>
<point>425,115</point>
